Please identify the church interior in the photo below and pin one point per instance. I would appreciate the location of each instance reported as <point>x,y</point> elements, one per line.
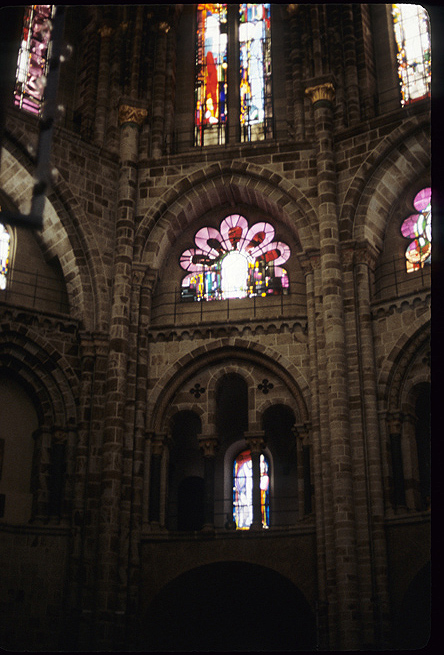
<point>215,288</point>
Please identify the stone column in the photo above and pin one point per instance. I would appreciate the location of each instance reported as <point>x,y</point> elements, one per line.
<point>410,463</point>
<point>394,421</point>
<point>103,84</point>
<point>233,100</point>
<point>158,441</point>
<point>294,12</point>
<point>364,261</point>
<point>131,118</point>
<point>57,473</point>
<point>346,589</point>
<point>302,434</point>
<point>255,442</point>
<point>158,117</point>
<point>208,445</point>
<point>351,71</point>
<point>40,473</point>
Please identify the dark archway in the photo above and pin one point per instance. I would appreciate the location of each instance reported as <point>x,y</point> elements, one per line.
<point>231,408</point>
<point>229,606</point>
<point>412,621</point>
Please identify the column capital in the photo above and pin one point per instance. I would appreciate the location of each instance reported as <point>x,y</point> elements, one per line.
<point>130,114</point>
<point>255,440</point>
<point>208,444</point>
<point>105,31</point>
<point>395,421</point>
<point>302,432</point>
<point>158,441</point>
<point>324,91</point>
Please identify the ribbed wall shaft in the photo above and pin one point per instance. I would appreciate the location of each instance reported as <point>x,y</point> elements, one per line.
<point>114,429</point>
<point>336,377</point>
<point>158,117</point>
<point>350,65</point>
<point>103,85</point>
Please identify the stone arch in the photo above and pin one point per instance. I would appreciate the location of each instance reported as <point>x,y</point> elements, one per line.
<point>394,374</point>
<point>221,352</point>
<point>224,611</point>
<point>46,374</point>
<point>218,185</point>
<point>66,233</point>
<point>392,166</point>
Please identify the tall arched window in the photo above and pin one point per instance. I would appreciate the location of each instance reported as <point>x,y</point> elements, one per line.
<point>412,34</point>
<point>5,249</point>
<point>33,58</point>
<point>249,84</point>
<point>235,261</point>
<point>243,491</point>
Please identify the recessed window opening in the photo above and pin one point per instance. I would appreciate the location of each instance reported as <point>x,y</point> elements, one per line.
<point>418,228</point>
<point>5,248</point>
<point>236,261</point>
<point>243,491</point>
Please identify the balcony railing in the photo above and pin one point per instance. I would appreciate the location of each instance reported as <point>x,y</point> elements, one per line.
<point>169,308</point>
<point>35,290</point>
<point>392,279</point>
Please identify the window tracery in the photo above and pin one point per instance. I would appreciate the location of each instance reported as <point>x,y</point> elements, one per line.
<point>235,261</point>
<point>33,58</point>
<point>419,228</point>
<point>253,44</point>
<point>412,34</point>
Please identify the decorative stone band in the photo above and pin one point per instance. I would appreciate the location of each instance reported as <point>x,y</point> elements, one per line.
<point>128,114</point>
<point>325,92</point>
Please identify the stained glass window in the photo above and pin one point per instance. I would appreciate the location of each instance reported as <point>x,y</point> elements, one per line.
<point>255,71</point>
<point>5,247</point>
<point>412,34</point>
<point>243,491</point>
<point>418,228</point>
<point>236,261</point>
<point>33,58</point>
<point>211,74</point>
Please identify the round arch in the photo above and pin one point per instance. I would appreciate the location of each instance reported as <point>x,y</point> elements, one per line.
<point>229,185</point>
<point>220,353</point>
<point>401,157</point>
<point>226,606</point>
<point>65,234</point>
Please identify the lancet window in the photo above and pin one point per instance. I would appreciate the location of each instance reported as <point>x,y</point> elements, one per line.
<point>412,34</point>
<point>418,228</point>
<point>243,491</point>
<point>5,248</point>
<point>236,261</point>
<point>33,58</point>
<point>214,82</point>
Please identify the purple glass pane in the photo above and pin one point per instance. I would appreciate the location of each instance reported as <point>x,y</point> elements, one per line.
<point>422,199</point>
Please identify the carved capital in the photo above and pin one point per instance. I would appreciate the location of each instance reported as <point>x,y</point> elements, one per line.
<point>208,445</point>
<point>302,432</point>
<point>158,441</point>
<point>394,422</point>
<point>128,114</point>
<point>255,441</point>
<point>105,31</point>
<point>324,91</point>
<point>164,27</point>
<point>292,9</point>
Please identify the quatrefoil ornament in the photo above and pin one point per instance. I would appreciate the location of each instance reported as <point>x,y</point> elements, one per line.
<point>265,386</point>
<point>197,390</point>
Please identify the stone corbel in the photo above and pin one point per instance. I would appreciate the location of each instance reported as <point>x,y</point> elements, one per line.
<point>321,92</point>
<point>131,114</point>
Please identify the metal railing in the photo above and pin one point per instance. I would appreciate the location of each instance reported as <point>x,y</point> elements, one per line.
<point>392,279</point>
<point>169,308</point>
<point>35,290</point>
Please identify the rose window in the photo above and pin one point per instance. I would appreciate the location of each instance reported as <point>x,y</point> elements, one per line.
<point>418,227</point>
<point>236,261</point>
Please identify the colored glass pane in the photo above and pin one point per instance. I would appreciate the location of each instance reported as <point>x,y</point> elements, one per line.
<point>412,34</point>
<point>419,228</point>
<point>33,58</point>
<point>235,262</point>
<point>243,491</point>
<point>211,74</point>
<point>5,243</point>
<point>255,71</point>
